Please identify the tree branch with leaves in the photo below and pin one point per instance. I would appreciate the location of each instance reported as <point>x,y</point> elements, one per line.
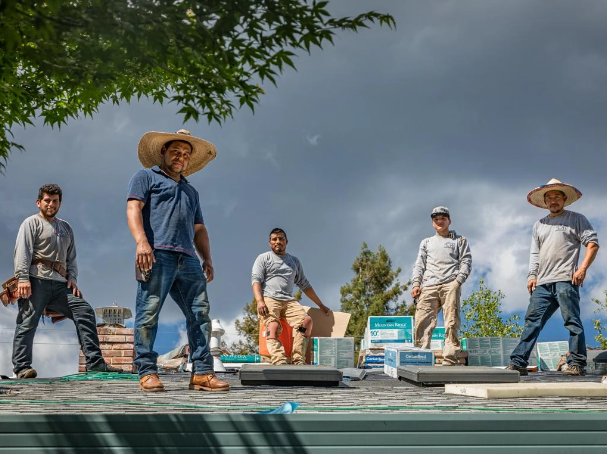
<point>374,290</point>
<point>62,59</point>
<point>482,315</point>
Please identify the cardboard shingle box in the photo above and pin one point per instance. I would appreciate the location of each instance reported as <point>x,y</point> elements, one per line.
<point>389,330</point>
<point>333,351</point>
<point>437,342</point>
<point>493,351</point>
<point>403,356</point>
<point>549,354</point>
<point>333,325</point>
<point>371,358</point>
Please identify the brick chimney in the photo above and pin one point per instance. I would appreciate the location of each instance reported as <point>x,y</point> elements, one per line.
<point>116,341</point>
<point>117,348</point>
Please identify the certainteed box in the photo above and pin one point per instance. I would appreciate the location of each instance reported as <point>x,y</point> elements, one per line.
<point>333,351</point>
<point>397,356</point>
<point>389,330</point>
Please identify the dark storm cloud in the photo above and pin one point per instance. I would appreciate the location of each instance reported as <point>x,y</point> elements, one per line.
<point>468,104</point>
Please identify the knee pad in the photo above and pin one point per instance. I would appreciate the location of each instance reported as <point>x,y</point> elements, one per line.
<point>306,326</point>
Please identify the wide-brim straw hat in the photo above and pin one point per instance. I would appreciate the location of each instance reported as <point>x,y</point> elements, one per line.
<point>151,143</point>
<point>536,196</point>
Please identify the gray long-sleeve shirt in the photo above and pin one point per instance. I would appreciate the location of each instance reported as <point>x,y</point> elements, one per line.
<point>41,239</point>
<point>441,260</point>
<point>278,274</point>
<point>555,246</point>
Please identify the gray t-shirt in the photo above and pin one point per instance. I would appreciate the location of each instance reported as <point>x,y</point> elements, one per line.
<point>555,246</point>
<point>278,274</point>
<point>441,260</point>
<point>41,239</point>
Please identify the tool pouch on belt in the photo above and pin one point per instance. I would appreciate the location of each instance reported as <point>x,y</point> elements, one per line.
<point>56,266</point>
<point>9,292</point>
<point>55,316</point>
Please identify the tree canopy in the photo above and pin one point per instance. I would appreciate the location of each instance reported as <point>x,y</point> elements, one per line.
<point>374,290</point>
<point>61,59</point>
<point>482,315</point>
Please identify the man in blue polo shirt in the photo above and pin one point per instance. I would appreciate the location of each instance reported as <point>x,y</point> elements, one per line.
<point>165,219</point>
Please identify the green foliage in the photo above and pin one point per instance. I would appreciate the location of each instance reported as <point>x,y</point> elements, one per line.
<point>482,316</point>
<point>248,330</point>
<point>598,323</point>
<point>61,59</point>
<point>374,290</point>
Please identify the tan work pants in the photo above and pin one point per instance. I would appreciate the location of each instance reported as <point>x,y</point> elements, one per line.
<point>294,314</point>
<point>431,301</point>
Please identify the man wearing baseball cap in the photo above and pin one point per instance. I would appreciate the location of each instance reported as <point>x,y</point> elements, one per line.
<point>554,277</point>
<point>443,264</point>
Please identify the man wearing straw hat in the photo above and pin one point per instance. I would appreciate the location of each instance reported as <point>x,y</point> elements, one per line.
<point>165,219</point>
<point>554,277</point>
<point>443,264</point>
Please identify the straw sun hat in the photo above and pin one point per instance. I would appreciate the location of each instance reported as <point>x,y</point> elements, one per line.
<point>151,143</point>
<point>536,196</point>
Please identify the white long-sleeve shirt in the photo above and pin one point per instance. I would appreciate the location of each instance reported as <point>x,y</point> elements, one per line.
<point>441,260</point>
<point>41,239</point>
<point>555,246</point>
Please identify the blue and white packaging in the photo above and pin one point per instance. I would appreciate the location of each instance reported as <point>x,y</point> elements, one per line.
<point>382,331</point>
<point>438,338</point>
<point>399,356</point>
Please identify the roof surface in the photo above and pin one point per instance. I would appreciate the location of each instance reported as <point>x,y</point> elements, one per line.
<point>377,393</point>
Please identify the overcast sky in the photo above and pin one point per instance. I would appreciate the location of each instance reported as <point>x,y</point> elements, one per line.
<point>468,104</point>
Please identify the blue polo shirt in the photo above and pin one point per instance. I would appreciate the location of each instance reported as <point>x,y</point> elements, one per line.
<point>171,209</point>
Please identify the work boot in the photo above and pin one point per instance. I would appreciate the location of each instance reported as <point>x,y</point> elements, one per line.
<point>105,367</point>
<point>27,373</point>
<point>208,382</point>
<point>521,370</point>
<point>574,369</point>
<point>151,384</point>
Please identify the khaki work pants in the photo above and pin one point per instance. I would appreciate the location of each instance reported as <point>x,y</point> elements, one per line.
<point>294,314</point>
<point>431,301</point>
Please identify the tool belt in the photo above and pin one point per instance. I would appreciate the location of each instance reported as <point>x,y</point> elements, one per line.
<point>52,265</point>
<point>9,292</point>
<point>9,295</point>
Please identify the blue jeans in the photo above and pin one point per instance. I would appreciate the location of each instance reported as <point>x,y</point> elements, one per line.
<point>544,302</point>
<point>181,276</point>
<point>55,296</point>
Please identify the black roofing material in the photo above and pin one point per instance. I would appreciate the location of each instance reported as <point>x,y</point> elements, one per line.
<point>438,376</point>
<point>287,375</point>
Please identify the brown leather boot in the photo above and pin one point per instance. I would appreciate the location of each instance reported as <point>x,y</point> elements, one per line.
<point>151,384</point>
<point>208,382</point>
